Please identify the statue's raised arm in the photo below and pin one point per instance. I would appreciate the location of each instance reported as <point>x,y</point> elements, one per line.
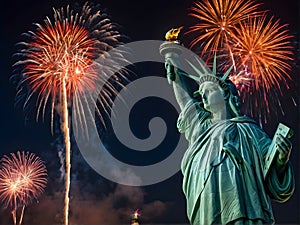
<point>176,76</point>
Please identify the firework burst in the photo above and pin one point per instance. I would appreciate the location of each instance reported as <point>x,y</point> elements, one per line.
<point>62,54</point>
<point>60,67</point>
<point>23,177</point>
<point>263,50</point>
<point>263,54</point>
<point>217,22</point>
<point>259,48</point>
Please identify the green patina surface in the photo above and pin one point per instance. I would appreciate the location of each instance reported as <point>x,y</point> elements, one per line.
<point>223,178</point>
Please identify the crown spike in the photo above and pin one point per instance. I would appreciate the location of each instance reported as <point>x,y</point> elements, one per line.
<point>203,67</point>
<point>226,74</point>
<point>191,76</point>
<point>196,70</point>
<point>215,65</point>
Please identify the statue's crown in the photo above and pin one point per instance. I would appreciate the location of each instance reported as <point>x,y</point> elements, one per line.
<point>204,74</point>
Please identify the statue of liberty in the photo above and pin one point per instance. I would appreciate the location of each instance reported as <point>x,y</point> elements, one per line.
<point>224,167</point>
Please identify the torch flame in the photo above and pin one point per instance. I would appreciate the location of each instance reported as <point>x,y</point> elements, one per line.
<point>172,34</point>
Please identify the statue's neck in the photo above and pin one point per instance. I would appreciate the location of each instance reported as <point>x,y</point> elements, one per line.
<point>222,114</point>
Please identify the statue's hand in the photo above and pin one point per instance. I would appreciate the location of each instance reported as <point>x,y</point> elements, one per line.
<point>284,147</point>
<point>170,72</point>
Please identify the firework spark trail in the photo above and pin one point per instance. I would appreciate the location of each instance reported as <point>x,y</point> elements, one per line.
<point>22,178</point>
<point>22,215</point>
<point>61,62</point>
<point>65,128</point>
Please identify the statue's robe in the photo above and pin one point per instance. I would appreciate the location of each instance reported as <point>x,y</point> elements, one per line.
<point>223,170</point>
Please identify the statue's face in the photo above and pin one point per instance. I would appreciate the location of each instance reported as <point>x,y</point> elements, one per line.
<point>212,96</point>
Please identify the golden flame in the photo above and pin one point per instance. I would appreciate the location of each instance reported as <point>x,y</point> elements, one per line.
<point>172,34</point>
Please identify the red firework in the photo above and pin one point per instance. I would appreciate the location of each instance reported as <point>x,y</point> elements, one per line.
<point>63,55</point>
<point>23,177</point>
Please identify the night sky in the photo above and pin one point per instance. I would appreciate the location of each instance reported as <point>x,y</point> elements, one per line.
<point>95,200</point>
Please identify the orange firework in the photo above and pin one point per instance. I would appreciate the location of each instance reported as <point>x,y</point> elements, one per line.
<point>60,51</point>
<point>61,64</point>
<point>259,48</point>
<point>217,22</point>
<point>22,178</point>
<point>264,51</point>
<point>263,54</point>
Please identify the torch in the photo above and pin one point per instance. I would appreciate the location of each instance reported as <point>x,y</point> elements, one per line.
<point>171,50</point>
